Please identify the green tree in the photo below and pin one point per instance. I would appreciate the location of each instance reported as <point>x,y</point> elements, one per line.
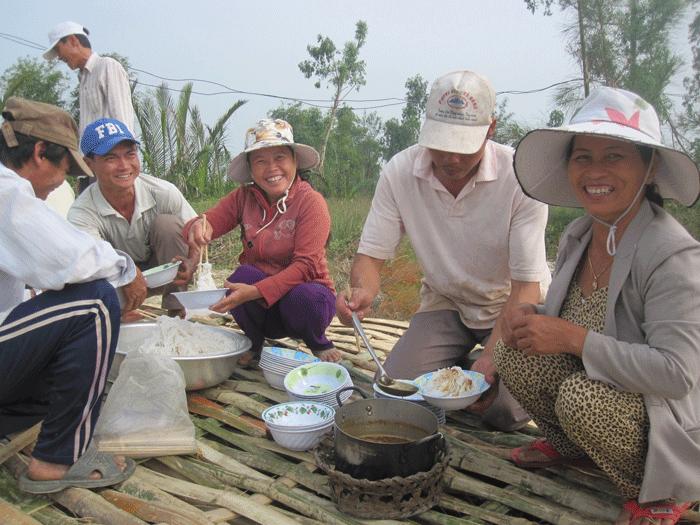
<point>622,43</point>
<point>35,79</point>
<point>178,147</point>
<point>343,70</point>
<point>690,120</point>
<point>508,130</point>
<point>399,135</point>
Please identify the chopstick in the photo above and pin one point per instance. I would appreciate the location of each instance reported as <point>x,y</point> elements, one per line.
<point>348,292</point>
<point>147,314</point>
<point>205,251</point>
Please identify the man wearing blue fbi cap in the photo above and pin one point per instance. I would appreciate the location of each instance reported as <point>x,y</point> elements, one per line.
<point>137,213</point>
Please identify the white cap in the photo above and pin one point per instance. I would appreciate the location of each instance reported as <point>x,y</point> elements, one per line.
<point>459,113</point>
<point>58,32</point>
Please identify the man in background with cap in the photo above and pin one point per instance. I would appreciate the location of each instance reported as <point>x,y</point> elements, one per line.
<point>134,212</point>
<point>56,348</point>
<point>478,238</point>
<point>104,84</point>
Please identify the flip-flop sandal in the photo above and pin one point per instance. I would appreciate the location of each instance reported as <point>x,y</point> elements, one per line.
<point>659,512</point>
<point>78,475</point>
<point>548,450</point>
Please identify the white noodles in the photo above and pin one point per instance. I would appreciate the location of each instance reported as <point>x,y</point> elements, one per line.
<point>204,280</point>
<point>176,337</point>
<point>448,382</point>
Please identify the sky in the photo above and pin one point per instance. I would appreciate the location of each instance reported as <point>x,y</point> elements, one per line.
<point>256,46</point>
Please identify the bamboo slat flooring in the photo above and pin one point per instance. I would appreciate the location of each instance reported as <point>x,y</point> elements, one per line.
<point>241,476</point>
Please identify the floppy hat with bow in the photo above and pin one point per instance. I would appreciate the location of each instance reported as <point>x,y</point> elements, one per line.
<point>541,163</point>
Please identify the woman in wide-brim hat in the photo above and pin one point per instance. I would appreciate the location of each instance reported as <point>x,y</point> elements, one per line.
<point>282,287</point>
<point>609,367</point>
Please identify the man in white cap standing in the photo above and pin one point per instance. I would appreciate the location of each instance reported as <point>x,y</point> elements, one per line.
<point>104,84</point>
<point>478,238</point>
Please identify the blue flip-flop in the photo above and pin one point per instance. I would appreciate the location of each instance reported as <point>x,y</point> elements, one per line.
<point>78,475</point>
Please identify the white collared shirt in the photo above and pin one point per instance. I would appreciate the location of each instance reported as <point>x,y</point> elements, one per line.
<point>469,246</point>
<point>104,92</point>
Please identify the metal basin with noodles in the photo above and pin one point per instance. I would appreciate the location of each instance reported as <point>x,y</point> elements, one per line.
<point>201,371</point>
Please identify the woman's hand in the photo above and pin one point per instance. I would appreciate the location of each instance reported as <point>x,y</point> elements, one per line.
<point>197,236</point>
<point>510,317</point>
<point>240,293</point>
<point>545,335</point>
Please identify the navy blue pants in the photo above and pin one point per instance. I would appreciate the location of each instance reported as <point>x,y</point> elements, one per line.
<point>303,313</point>
<point>55,354</point>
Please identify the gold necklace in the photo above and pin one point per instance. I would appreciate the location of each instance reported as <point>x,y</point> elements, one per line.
<point>594,285</point>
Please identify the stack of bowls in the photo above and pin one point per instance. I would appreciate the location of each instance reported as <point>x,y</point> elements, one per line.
<point>299,425</point>
<point>318,382</point>
<point>277,362</point>
<point>416,398</point>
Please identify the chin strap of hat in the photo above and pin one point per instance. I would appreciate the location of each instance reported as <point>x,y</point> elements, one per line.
<point>612,243</point>
<point>281,206</point>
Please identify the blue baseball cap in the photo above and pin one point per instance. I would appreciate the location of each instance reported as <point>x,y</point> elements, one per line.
<point>103,134</point>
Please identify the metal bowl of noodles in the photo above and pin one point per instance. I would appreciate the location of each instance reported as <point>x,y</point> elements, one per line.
<point>201,371</point>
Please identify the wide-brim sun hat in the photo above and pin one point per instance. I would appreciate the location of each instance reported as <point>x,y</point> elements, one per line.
<point>540,158</point>
<point>458,113</point>
<point>268,133</point>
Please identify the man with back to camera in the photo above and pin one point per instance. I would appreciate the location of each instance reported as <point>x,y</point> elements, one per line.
<point>478,238</point>
<point>104,84</point>
<point>134,212</point>
<point>56,348</point>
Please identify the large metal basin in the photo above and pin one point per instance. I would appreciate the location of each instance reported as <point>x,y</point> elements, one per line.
<point>200,371</point>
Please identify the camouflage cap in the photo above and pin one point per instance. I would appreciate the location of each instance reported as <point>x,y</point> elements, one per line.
<point>46,122</point>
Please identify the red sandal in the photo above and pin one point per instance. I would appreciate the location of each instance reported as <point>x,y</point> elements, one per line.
<point>548,450</point>
<point>659,512</point>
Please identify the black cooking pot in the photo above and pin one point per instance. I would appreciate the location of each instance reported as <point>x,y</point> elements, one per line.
<point>382,438</point>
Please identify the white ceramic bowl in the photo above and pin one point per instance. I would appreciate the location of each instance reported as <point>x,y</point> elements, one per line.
<point>315,379</point>
<point>276,379</point>
<point>299,440</point>
<point>298,415</point>
<point>479,386</point>
<point>161,275</point>
<point>196,300</point>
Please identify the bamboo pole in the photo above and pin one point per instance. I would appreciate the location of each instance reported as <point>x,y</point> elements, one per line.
<point>202,406</point>
<point>238,504</point>
<point>89,505</point>
<point>18,442</point>
<point>12,515</point>
<point>149,511</point>
<point>141,489</point>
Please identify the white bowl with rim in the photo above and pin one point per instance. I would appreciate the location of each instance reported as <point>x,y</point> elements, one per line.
<point>316,379</point>
<point>161,275</point>
<point>298,415</point>
<point>300,440</point>
<point>200,299</point>
<point>479,386</point>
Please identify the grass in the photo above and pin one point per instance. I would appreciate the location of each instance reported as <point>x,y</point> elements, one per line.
<point>399,296</point>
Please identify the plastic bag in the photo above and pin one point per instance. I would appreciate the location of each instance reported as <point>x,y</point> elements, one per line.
<point>145,413</point>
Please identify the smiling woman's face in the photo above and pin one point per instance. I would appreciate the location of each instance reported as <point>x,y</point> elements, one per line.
<point>273,169</point>
<point>606,175</point>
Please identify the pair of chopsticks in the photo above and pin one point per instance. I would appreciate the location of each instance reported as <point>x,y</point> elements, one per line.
<point>204,252</point>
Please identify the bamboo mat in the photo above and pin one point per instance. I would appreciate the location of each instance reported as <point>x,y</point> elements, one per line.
<point>240,476</point>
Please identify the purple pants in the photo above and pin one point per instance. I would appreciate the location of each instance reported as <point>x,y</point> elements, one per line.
<point>303,313</point>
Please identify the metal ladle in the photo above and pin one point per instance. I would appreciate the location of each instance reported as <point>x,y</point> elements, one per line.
<point>387,384</point>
